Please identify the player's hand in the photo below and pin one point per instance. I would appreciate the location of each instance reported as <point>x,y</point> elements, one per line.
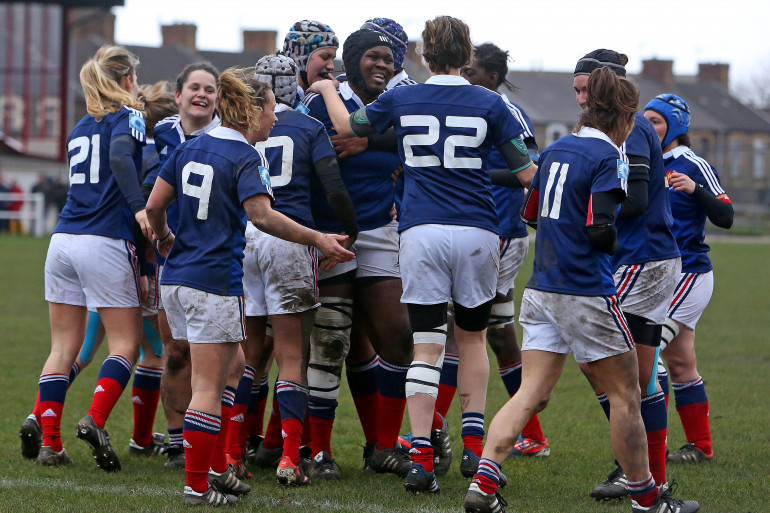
<point>681,182</point>
<point>144,223</point>
<point>330,244</point>
<point>319,86</point>
<point>349,146</point>
<point>144,288</point>
<point>164,246</point>
<point>396,173</point>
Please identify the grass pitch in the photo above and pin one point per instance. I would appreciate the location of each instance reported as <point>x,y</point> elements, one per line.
<point>734,357</point>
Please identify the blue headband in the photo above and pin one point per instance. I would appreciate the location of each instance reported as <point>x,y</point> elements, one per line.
<point>397,36</point>
<point>676,113</point>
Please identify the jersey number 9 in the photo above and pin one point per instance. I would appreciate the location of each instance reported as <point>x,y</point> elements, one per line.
<point>202,191</point>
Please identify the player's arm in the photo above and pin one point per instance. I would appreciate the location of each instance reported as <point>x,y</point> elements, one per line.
<point>636,200</point>
<point>600,221</point>
<point>529,209</point>
<point>262,215</point>
<point>122,148</point>
<point>337,196</point>
<point>520,170</point>
<point>161,197</point>
<point>345,124</point>
<point>719,209</point>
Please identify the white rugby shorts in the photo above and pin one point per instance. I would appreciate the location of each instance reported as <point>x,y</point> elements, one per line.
<point>279,277</point>
<point>513,252</point>
<point>441,262</point>
<point>91,271</point>
<point>646,289</point>
<point>150,305</point>
<point>691,297</point>
<point>203,318</point>
<point>593,327</point>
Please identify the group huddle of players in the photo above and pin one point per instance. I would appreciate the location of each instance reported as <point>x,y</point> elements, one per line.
<point>371,223</point>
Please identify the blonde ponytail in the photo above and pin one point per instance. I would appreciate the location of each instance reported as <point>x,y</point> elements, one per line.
<point>240,98</point>
<point>100,77</point>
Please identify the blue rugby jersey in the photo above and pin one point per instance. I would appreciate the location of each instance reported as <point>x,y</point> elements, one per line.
<point>367,175</point>
<point>508,201</point>
<point>445,129</point>
<point>689,218</point>
<point>571,169</point>
<point>168,134</point>
<point>647,237</point>
<point>212,176</point>
<point>95,205</point>
<point>296,143</point>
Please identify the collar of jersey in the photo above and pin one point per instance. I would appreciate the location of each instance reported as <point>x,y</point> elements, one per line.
<point>206,129</point>
<point>587,131</point>
<point>347,93</point>
<point>676,152</point>
<point>280,107</point>
<point>397,78</point>
<point>222,132</point>
<point>450,80</point>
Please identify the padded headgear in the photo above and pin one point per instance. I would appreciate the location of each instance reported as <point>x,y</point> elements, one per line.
<point>356,45</point>
<point>280,72</point>
<point>397,36</point>
<point>305,37</point>
<point>675,111</point>
<point>599,59</point>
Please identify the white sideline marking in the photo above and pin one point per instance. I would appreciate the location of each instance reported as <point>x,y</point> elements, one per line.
<point>176,492</point>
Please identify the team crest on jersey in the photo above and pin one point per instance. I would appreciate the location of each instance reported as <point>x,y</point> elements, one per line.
<point>623,170</point>
<point>302,108</point>
<point>519,144</point>
<point>264,174</point>
<point>136,122</point>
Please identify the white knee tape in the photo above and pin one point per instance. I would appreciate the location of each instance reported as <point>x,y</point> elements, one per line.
<point>330,338</point>
<point>668,333</point>
<point>436,336</point>
<point>422,378</point>
<point>323,384</point>
<point>501,315</point>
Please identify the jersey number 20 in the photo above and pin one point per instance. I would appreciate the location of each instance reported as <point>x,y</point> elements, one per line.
<point>450,144</point>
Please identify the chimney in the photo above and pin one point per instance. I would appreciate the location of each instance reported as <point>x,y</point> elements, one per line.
<point>715,72</point>
<point>94,22</point>
<point>259,40</point>
<point>182,34</point>
<point>658,69</point>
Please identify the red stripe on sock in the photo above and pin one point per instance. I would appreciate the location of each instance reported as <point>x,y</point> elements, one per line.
<point>533,430</point>
<point>145,406</point>
<point>219,456</point>
<point>474,443</point>
<point>292,435</point>
<point>391,416</point>
<point>446,394</point>
<point>199,447</point>
<point>695,421</point>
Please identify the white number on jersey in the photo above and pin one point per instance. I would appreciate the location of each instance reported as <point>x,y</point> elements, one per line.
<point>286,144</point>
<point>554,209</point>
<point>450,144</point>
<point>202,191</point>
<point>82,145</point>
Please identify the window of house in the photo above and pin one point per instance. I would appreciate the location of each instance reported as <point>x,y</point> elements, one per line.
<point>735,157</point>
<point>554,132</point>
<point>759,158</point>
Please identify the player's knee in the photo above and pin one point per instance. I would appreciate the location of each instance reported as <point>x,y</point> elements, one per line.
<point>177,356</point>
<point>669,332</point>
<point>644,331</point>
<point>473,319</point>
<point>501,315</point>
<point>423,378</point>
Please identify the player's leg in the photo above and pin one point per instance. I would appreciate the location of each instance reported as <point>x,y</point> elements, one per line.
<point>145,391</point>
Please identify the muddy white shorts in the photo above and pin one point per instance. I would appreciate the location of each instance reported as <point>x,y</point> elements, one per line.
<point>645,289</point>
<point>593,327</point>
<point>279,277</point>
<point>513,252</point>
<point>202,317</point>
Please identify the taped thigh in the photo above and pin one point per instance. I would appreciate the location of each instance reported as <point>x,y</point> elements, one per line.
<point>329,345</point>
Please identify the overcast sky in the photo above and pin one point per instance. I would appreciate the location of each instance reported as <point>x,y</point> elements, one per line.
<point>540,34</point>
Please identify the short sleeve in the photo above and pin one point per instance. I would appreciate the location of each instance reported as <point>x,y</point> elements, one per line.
<point>168,171</point>
<point>129,121</point>
<point>321,145</point>
<point>611,174</point>
<point>254,178</point>
<point>506,126</point>
<point>380,111</point>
